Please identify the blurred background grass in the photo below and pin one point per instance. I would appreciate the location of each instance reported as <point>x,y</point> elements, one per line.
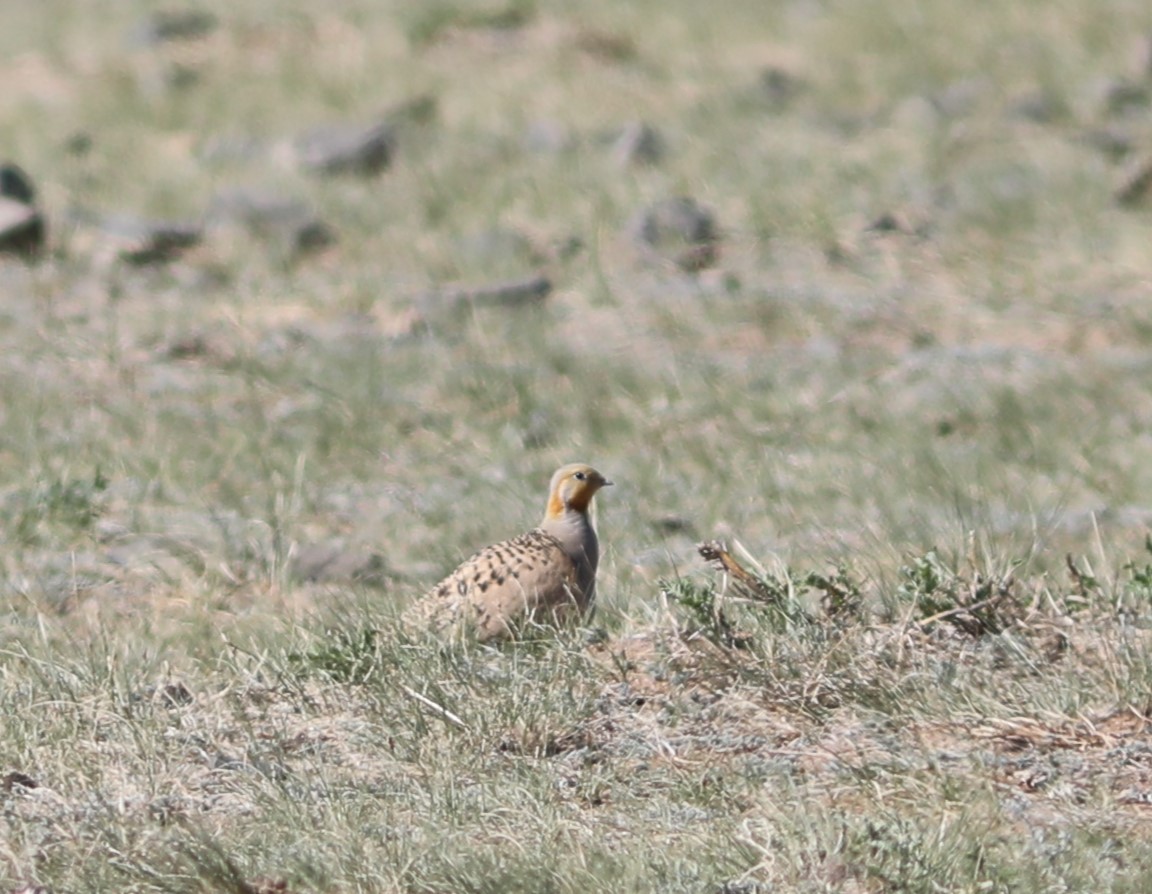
<point>929,323</point>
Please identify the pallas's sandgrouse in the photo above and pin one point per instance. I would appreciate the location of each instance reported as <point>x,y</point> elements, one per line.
<point>544,577</point>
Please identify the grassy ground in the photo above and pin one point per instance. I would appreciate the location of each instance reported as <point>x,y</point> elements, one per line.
<point>912,391</point>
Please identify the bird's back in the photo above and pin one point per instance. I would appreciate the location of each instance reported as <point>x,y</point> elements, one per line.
<point>528,579</point>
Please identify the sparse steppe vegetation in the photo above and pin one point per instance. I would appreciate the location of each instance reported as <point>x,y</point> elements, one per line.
<point>910,394</point>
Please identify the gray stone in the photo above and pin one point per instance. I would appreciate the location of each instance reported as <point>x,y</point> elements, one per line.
<point>141,241</point>
<point>333,562</point>
<point>15,184</point>
<point>362,150</point>
<point>638,143</point>
<point>680,230</point>
<point>1135,185</point>
<point>497,245</point>
<point>22,228</point>
<point>779,88</point>
<point>286,222</point>
<point>508,293</point>
<point>173,24</point>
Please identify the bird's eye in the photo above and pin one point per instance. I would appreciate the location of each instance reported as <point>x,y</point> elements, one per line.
<point>579,476</point>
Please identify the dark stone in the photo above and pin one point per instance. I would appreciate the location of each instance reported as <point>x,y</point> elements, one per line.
<point>141,241</point>
<point>1116,142</point>
<point>346,149</point>
<point>638,143</point>
<point>510,293</point>
<point>1038,106</point>
<point>331,562</point>
<point>1122,97</point>
<point>287,222</point>
<point>497,245</point>
<point>1135,184</point>
<point>173,24</point>
<point>678,230</point>
<point>22,228</point>
<point>779,88</point>
<point>17,185</point>
<point>79,144</point>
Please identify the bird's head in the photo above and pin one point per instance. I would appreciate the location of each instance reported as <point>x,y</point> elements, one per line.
<point>572,489</point>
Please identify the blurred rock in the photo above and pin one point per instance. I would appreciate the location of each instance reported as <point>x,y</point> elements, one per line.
<point>332,562</point>
<point>1038,106</point>
<point>1120,97</point>
<point>79,143</point>
<point>666,525</point>
<point>22,228</point>
<point>607,46</point>
<point>637,143</point>
<point>1114,141</point>
<point>15,781</point>
<point>16,185</point>
<point>173,24</point>
<point>137,240</point>
<point>158,78</point>
<point>1135,184</point>
<point>360,150</point>
<point>510,293</point>
<point>287,223</point>
<point>410,115</point>
<point>497,245</point>
<point>779,88</point>
<point>678,230</point>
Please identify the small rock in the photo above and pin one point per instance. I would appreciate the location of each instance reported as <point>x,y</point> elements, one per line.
<point>1119,97</point>
<point>510,293</point>
<point>1038,106</point>
<point>173,695</point>
<point>679,230</point>
<point>15,781</point>
<point>345,149</point>
<point>409,116</point>
<point>173,24</point>
<point>779,88</point>
<point>1135,184</point>
<point>286,222</point>
<point>1114,141</point>
<point>674,524</point>
<point>888,222</point>
<point>79,144</point>
<point>16,185</point>
<point>332,562</point>
<point>22,229</point>
<point>140,241</point>
<point>638,144</point>
<point>606,45</point>
<point>497,245</point>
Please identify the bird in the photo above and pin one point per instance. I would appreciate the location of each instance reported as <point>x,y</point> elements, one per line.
<point>545,577</point>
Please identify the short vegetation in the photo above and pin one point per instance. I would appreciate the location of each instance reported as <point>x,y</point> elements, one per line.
<point>850,300</point>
